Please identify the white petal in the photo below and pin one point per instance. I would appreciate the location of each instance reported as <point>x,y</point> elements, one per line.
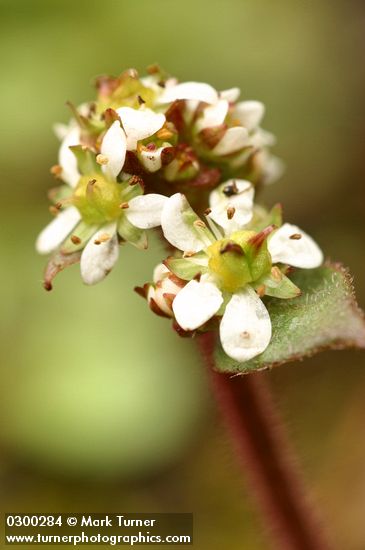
<point>139,124</point>
<point>233,140</point>
<point>245,329</point>
<point>249,113</point>
<point>303,252</point>
<point>191,106</point>
<point>97,260</point>
<point>260,138</point>
<point>177,230</point>
<point>57,231</point>
<point>242,202</point>
<point>61,130</point>
<point>190,90</point>
<point>66,158</point>
<point>114,146</point>
<point>196,303</point>
<point>151,160</point>
<point>213,115</point>
<point>230,95</point>
<point>145,211</point>
<point>160,272</point>
<point>271,167</point>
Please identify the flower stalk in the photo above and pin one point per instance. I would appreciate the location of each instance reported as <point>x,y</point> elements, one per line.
<point>262,447</point>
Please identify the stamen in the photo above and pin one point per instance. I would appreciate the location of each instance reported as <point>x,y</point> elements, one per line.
<point>75,239</point>
<point>188,254</point>
<point>56,170</point>
<point>102,159</point>
<point>214,229</point>
<point>153,69</point>
<point>207,211</point>
<point>140,100</point>
<point>200,223</point>
<point>295,236</point>
<point>124,205</point>
<point>134,180</point>
<point>230,212</point>
<point>53,210</point>
<point>102,238</point>
<point>261,290</point>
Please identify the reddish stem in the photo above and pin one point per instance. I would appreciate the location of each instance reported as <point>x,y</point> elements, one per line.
<point>261,444</point>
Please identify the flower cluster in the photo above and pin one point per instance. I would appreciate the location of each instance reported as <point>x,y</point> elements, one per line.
<point>151,152</point>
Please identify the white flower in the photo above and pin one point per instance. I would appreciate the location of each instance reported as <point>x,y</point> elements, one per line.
<point>245,328</point>
<point>137,124</point>
<point>96,194</point>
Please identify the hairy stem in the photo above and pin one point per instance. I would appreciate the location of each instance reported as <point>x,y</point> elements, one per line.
<point>261,444</point>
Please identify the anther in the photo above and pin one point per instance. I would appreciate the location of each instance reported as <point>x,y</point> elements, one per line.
<point>102,159</point>
<point>207,211</point>
<point>140,100</point>
<point>124,205</point>
<point>200,223</point>
<point>134,180</point>
<point>56,170</point>
<point>153,69</point>
<point>261,290</point>
<point>295,236</point>
<point>102,238</point>
<point>75,239</point>
<point>53,210</point>
<point>230,212</point>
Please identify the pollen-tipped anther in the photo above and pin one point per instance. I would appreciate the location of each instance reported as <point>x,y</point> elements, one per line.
<point>230,212</point>
<point>102,159</point>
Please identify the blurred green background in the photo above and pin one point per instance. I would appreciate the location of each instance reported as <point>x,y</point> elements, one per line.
<point>102,407</point>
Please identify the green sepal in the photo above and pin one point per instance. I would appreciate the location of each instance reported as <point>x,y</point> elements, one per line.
<point>185,268</point>
<point>274,217</point>
<point>132,234</point>
<point>82,231</point>
<point>325,316</point>
<point>277,285</point>
<point>86,160</point>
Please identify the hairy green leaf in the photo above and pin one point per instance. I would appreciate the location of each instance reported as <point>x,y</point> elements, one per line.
<point>325,316</point>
